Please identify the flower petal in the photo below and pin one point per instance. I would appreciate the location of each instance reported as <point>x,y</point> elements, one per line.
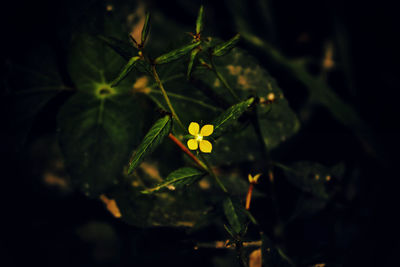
<point>192,144</point>
<point>207,130</point>
<point>194,128</point>
<point>205,146</point>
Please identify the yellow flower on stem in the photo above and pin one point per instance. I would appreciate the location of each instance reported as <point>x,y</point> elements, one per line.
<point>198,141</point>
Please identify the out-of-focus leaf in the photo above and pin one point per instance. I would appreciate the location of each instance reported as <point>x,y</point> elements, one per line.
<point>225,120</point>
<point>224,48</point>
<point>153,138</point>
<point>235,215</point>
<point>146,28</point>
<point>125,71</point>
<point>178,178</point>
<point>175,54</point>
<point>242,72</point>
<point>312,177</point>
<point>200,20</point>
<point>178,208</point>
<point>273,256</point>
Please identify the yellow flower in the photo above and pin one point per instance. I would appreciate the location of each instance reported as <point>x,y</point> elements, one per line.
<point>254,180</point>
<point>198,141</point>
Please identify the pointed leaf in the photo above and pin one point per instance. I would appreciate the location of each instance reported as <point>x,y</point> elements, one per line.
<point>235,215</point>
<point>146,28</point>
<point>229,116</point>
<point>193,55</point>
<point>124,49</point>
<point>175,54</point>
<point>200,20</point>
<point>224,48</point>
<point>153,138</point>
<point>178,178</point>
<point>125,71</point>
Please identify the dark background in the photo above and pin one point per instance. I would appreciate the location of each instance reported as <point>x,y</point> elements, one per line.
<point>41,225</point>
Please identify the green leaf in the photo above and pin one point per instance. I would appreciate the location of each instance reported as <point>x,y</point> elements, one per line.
<point>178,178</point>
<point>95,136</point>
<point>175,54</point>
<point>235,215</point>
<point>277,120</point>
<point>32,84</point>
<point>125,71</point>
<point>146,28</point>
<point>312,177</point>
<point>226,47</point>
<point>226,119</point>
<point>93,65</point>
<point>193,55</point>
<point>200,20</point>
<point>153,138</point>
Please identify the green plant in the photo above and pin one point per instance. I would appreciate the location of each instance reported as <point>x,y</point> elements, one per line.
<point>118,83</point>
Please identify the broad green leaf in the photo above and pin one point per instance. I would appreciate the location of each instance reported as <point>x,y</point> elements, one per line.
<point>242,72</point>
<point>193,55</point>
<point>311,177</point>
<point>226,47</point>
<point>32,83</point>
<point>177,208</point>
<point>146,28</point>
<point>235,215</point>
<point>96,134</point>
<point>175,54</point>
<point>93,65</point>
<point>153,138</point>
<point>200,20</point>
<point>178,178</point>
<point>125,71</point>
<point>225,120</point>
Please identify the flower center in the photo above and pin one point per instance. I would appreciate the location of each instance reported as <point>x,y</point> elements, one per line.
<point>199,137</point>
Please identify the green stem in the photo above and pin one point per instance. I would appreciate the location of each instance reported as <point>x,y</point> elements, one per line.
<point>164,93</point>
<point>224,82</point>
<point>221,185</point>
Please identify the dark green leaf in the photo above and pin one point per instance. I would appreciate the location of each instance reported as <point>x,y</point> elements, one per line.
<point>175,54</point>
<point>226,119</point>
<point>311,177</point>
<point>200,20</point>
<point>178,178</point>
<point>124,49</point>
<point>235,215</point>
<point>224,48</point>
<point>193,55</point>
<point>153,138</point>
<point>146,28</point>
<point>96,133</point>
<point>125,71</point>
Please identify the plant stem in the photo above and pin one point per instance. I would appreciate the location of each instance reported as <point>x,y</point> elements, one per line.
<point>224,82</point>
<point>221,185</point>
<point>160,85</point>
<point>185,150</point>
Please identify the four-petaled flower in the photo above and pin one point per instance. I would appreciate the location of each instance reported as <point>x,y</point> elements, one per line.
<point>254,179</point>
<point>198,141</point>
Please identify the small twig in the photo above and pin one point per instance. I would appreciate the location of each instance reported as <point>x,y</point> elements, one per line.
<point>221,185</point>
